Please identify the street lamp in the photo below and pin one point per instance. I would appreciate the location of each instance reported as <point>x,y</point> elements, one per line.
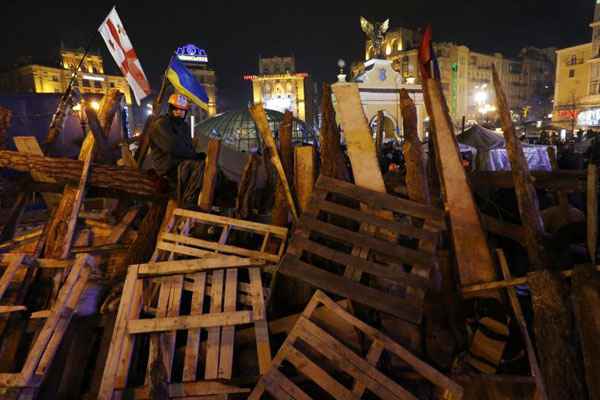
<point>481,98</point>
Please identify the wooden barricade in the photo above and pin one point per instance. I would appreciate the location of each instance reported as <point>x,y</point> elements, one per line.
<point>332,370</point>
<point>25,383</point>
<point>333,238</point>
<point>214,284</point>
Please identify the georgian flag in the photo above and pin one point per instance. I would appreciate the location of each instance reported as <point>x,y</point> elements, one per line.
<point>120,47</point>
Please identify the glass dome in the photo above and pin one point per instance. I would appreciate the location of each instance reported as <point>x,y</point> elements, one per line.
<point>238,131</point>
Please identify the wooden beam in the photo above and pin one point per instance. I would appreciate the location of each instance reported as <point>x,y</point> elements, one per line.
<point>305,174</point>
<point>332,158</point>
<point>246,187</point>
<point>474,260</point>
<point>379,134</point>
<point>216,261</point>
<point>531,218</point>
<point>260,119</point>
<point>209,181</point>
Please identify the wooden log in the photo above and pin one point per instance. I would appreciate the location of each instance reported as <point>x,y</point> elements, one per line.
<point>592,211</point>
<point>332,157</point>
<point>475,264</point>
<point>67,171</point>
<point>209,182</point>
<point>555,337</point>
<point>286,151</point>
<point>305,174</point>
<point>260,119</point>
<point>531,218</point>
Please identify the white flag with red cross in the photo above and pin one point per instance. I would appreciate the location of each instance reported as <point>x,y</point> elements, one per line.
<point>120,47</point>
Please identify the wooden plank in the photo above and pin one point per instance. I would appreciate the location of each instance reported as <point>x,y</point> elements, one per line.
<point>305,174</point>
<point>228,332</point>
<point>9,273</point>
<point>280,210</point>
<point>261,329</point>
<point>209,181</point>
<point>181,249</point>
<point>348,288</point>
<point>332,157</point>
<point>282,388</point>
<point>359,142</point>
<point>11,309</point>
<point>119,230</point>
<point>516,307</point>
<point>157,360</point>
<point>405,254</point>
<point>474,260</point>
<point>192,347</point>
<point>531,217</point>
<point>217,319</point>
<point>237,223</point>
<point>213,342</point>
<point>371,220</point>
<point>260,119</point>
<point>37,350</point>
<point>393,272</point>
<point>116,348</point>
<point>187,389</point>
<point>592,211</point>
<point>30,145</point>
<point>377,200</point>
<point>312,371</point>
<point>210,262</point>
<point>222,248</point>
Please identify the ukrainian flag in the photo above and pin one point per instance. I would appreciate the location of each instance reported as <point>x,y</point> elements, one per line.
<point>185,83</point>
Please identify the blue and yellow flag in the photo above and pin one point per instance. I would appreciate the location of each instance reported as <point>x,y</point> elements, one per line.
<point>186,83</point>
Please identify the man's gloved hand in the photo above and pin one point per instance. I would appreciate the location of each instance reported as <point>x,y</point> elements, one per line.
<point>200,156</point>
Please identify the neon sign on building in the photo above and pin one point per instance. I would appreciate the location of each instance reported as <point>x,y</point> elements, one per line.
<point>192,53</point>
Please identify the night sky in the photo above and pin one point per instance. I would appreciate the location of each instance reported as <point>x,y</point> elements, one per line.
<point>235,35</point>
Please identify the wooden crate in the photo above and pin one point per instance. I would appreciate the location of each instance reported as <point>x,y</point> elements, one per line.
<point>24,384</point>
<point>218,308</point>
<point>323,249</point>
<point>329,369</point>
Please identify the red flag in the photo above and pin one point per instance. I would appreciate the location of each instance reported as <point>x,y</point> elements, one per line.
<point>427,58</point>
<point>121,49</point>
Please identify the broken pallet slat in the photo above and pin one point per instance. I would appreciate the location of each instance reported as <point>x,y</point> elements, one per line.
<point>362,368</point>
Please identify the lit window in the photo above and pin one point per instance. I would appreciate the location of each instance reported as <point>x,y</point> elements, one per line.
<point>388,49</point>
<point>399,45</point>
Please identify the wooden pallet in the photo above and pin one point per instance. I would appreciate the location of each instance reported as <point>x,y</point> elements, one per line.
<point>323,247</point>
<point>176,239</point>
<point>45,346</point>
<point>217,308</point>
<point>330,367</point>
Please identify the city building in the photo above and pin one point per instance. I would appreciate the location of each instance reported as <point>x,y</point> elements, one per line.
<point>577,90</point>
<point>279,87</point>
<point>466,76</point>
<point>54,77</point>
<point>379,86</point>
<point>196,60</point>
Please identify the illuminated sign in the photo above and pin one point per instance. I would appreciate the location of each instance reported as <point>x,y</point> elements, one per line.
<point>281,104</point>
<point>191,53</point>
<point>275,76</point>
<point>589,117</point>
<point>93,77</point>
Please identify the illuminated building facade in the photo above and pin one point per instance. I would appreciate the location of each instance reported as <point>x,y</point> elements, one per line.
<point>32,77</point>
<point>279,87</point>
<point>196,60</point>
<point>466,75</point>
<point>577,91</point>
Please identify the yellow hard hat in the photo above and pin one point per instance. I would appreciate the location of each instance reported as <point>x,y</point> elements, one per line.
<point>179,101</point>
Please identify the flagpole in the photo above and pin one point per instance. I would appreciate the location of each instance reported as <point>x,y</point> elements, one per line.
<point>156,107</point>
<point>58,118</point>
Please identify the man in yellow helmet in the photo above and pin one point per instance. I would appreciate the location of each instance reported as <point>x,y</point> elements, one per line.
<point>173,155</point>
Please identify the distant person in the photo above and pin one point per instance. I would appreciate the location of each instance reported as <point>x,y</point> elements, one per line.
<point>173,153</point>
